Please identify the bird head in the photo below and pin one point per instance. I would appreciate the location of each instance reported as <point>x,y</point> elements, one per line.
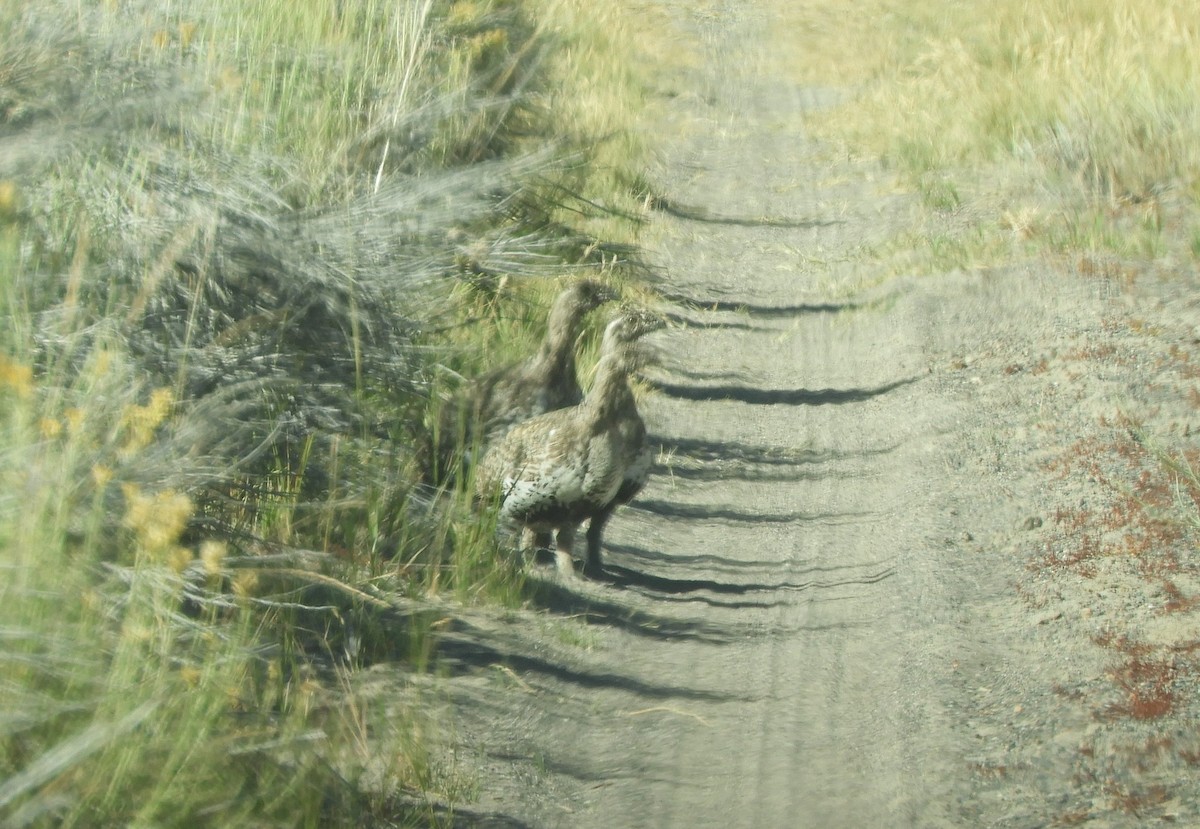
<point>629,325</point>
<point>586,295</point>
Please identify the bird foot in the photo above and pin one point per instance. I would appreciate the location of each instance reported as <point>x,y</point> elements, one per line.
<point>593,569</point>
<point>566,565</point>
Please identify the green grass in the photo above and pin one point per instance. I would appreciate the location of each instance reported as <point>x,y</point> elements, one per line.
<point>241,245</point>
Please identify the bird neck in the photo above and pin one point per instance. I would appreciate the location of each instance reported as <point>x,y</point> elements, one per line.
<point>610,393</point>
<point>557,353</point>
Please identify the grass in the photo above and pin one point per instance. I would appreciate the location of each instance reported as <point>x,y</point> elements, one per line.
<point>1081,117</point>
<point>239,244</point>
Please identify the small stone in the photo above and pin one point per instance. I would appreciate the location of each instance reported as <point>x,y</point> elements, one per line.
<point>1033,522</point>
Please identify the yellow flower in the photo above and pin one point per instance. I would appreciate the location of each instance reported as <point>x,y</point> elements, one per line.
<point>228,79</point>
<point>463,14</point>
<point>245,583</point>
<point>9,201</point>
<point>160,404</point>
<point>187,31</point>
<point>212,554</point>
<point>50,428</point>
<point>16,376</point>
<point>137,632</point>
<point>101,475</point>
<point>191,675</point>
<point>104,361</point>
<point>157,520</point>
<point>74,417</point>
<point>141,421</point>
<point>179,558</point>
<point>487,46</point>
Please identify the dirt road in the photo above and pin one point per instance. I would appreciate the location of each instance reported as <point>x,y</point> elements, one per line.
<point>817,613</point>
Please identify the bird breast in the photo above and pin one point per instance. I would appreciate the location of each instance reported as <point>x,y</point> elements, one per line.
<point>561,477</point>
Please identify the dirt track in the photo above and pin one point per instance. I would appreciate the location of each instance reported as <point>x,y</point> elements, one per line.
<point>813,616</point>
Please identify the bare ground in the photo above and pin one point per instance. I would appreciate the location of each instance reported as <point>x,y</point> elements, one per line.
<point>832,606</point>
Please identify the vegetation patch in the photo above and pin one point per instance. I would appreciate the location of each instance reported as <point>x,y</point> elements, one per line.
<point>1078,121</point>
<point>242,246</point>
<point>1124,545</point>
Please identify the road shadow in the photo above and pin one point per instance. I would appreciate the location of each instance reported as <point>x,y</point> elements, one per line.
<point>694,374</point>
<point>770,397</point>
<point>753,310</point>
<point>707,561</point>
<point>730,514</point>
<point>735,472</point>
<point>708,451</point>
<point>709,461</point>
<point>735,325</point>
<point>735,566</point>
<point>466,651</point>
<point>458,817</point>
<point>626,578</point>
<point>578,601</point>
<point>694,213</point>
<point>618,612</point>
<point>677,590</point>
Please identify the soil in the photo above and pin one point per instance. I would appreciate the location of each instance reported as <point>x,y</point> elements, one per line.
<point>847,597</point>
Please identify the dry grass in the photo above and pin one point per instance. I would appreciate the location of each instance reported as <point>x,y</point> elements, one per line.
<point>1076,121</point>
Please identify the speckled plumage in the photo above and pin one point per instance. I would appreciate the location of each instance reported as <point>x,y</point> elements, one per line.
<point>491,404</point>
<point>558,469</point>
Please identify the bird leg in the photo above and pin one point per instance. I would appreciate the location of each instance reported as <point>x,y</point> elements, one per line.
<point>594,532</point>
<point>564,542</point>
<point>536,544</point>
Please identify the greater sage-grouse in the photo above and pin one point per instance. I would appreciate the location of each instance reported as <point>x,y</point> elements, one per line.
<point>494,402</point>
<point>557,470</point>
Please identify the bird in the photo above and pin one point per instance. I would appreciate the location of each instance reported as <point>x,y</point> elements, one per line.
<point>554,471</point>
<point>495,401</point>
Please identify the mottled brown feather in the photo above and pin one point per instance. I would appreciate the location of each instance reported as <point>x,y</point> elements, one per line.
<point>491,404</point>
